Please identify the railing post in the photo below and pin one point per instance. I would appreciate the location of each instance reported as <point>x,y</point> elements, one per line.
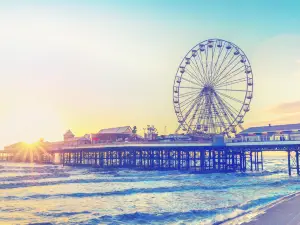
<point>188,160</point>
<point>262,160</point>
<point>202,160</point>
<point>214,159</point>
<point>289,163</point>
<point>251,163</point>
<point>179,159</point>
<point>297,162</point>
<point>63,158</point>
<point>219,160</point>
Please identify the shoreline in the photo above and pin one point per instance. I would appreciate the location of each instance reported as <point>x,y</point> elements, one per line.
<point>259,215</point>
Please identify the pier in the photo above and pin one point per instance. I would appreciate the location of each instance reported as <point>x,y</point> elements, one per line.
<point>194,157</point>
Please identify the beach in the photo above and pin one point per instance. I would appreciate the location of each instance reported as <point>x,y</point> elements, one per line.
<point>286,212</point>
<point>283,211</point>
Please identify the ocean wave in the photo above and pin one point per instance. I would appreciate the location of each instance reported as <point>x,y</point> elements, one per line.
<point>215,216</point>
<point>131,191</point>
<point>261,173</point>
<point>208,186</point>
<point>260,201</point>
<point>33,177</point>
<point>35,170</point>
<point>60,214</point>
<point>160,218</point>
<point>75,181</point>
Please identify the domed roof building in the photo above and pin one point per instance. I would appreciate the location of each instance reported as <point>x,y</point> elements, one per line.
<point>68,135</point>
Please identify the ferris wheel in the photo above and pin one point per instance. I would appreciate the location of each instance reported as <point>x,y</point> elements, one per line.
<point>213,88</point>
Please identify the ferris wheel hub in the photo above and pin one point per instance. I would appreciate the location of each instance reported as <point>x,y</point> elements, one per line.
<point>208,88</point>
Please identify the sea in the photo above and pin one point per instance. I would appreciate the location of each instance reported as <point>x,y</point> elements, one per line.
<point>34,193</point>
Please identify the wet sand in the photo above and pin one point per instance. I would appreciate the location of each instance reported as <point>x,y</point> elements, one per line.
<point>285,211</point>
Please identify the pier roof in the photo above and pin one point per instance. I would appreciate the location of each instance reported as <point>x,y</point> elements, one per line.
<point>116,130</point>
<point>272,129</point>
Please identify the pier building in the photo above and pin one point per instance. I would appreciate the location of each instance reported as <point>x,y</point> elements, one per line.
<point>112,135</point>
<point>271,133</point>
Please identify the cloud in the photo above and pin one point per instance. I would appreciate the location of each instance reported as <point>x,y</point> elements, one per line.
<point>285,119</point>
<point>283,113</point>
<point>298,61</point>
<point>288,107</point>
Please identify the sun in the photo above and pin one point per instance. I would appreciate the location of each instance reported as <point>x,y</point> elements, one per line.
<point>31,152</point>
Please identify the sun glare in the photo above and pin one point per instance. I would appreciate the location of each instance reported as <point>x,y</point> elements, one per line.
<point>33,152</point>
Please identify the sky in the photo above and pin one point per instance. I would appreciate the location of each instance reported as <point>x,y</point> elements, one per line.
<point>88,65</point>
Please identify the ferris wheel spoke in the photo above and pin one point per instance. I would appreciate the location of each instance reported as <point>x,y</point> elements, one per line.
<point>206,114</point>
<point>229,120</point>
<point>220,75</point>
<point>218,118</point>
<point>188,101</point>
<point>225,113</point>
<point>190,109</point>
<point>191,88</point>
<point>232,115</point>
<point>222,62</point>
<point>201,62</point>
<point>232,74</point>
<point>218,89</point>
<point>220,53</point>
<point>229,106</point>
<point>186,114</point>
<point>188,93</point>
<point>194,114</point>
<point>218,115</point>
<point>192,82</point>
<point>212,122</point>
<point>201,77</point>
<point>200,111</point>
<point>187,104</point>
<point>232,82</point>
<point>214,114</point>
<point>212,61</point>
<point>192,75</point>
<point>209,113</point>
<point>197,65</point>
<point>230,97</point>
<point>195,71</point>
<point>233,112</point>
<point>201,114</point>
<point>206,55</point>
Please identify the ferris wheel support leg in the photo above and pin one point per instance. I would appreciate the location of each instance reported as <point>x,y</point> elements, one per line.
<point>179,127</point>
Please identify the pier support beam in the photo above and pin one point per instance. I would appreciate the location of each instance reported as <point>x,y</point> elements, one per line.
<point>293,162</point>
<point>218,159</point>
<point>255,160</point>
